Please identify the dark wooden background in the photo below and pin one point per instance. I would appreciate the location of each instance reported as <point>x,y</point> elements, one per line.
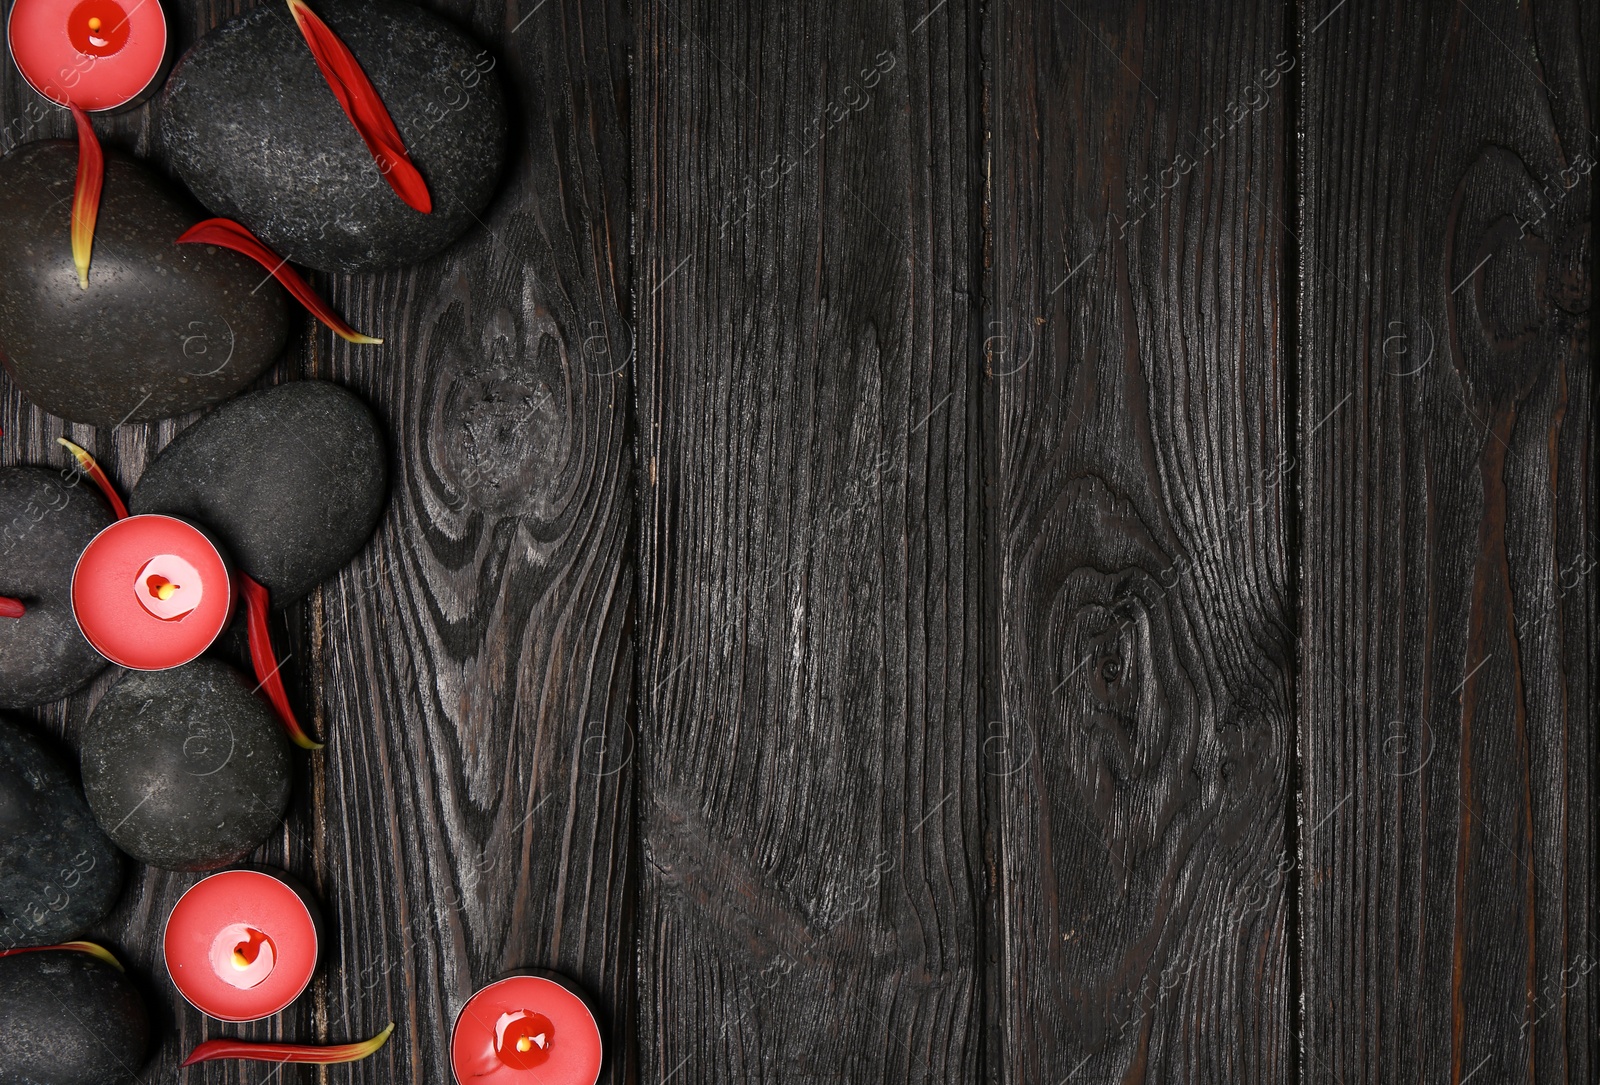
<point>1032,542</point>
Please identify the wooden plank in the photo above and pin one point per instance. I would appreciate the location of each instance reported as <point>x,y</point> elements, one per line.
<point>472,671</point>
<point>1140,755</point>
<point>476,663</point>
<point>28,435</point>
<point>1447,696</point>
<point>808,803</point>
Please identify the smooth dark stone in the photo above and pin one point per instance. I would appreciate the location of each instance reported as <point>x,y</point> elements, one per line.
<point>250,125</point>
<point>291,479</point>
<point>67,1018</point>
<point>45,522</point>
<point>163,328</point>
<point>59,875</point>
<point>185,769</point>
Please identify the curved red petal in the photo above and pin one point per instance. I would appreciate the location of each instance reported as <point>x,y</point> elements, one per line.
<point>93,949</point>
<point>360,101</point>
<point>323,1055</point>
<point>11,608</point>
<point>97,475</point>
<point>228,234</point>
<point>258,606</point>
<point>86,194</point>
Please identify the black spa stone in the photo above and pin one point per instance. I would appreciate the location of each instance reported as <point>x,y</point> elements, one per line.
<point>185,769</point>
<point>248,122</point>
<point>163,328</point>
<point>59,875</point>
<point>291,479</point>
<point>68,1018</point>
<point>45,522</point>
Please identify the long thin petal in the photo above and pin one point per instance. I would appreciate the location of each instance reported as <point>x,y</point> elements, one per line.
<point>93,949</point>
<point>267,1052</point>
<point>86,194</point>
<point>11,608</point>
<point>258,605</point>
<point>360,101</point>
<point>87,464</point>
<point>230,235</point>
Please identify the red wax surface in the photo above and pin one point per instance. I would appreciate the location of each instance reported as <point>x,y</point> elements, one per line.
<point>151,592</point>
<point>97,54</point>
<point>526,1030</point>
<point>240,945</point>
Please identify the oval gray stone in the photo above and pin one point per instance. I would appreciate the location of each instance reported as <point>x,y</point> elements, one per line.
<point>163,328</point>
<point>185,769</point>
<point>59,875</point>
<point>45,522</point>
<point>69,1019</point>
<point>291,479</point>
<point>249,123</point>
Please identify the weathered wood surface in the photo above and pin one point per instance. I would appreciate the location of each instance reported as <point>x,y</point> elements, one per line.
<point>476,663</point>
<point>1087,577</point>
<point>29,436</point>
<point>1143,742</point>
<point>1449,550</point>
<point>808,810</point>
<point>472,671</point>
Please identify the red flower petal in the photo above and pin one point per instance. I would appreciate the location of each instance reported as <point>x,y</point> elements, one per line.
<point>244,1049</point>
<point>86,194</point>
<point>97,476</point>
<point>360,102</point>
<point>265,661</point>
<point>11,608</point>
<point>230,235</point>
<point>93,949</point>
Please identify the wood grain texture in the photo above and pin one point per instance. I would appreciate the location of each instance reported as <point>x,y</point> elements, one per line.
<point>1140,754</point>
<point>472,671</point>
<point>808,798</point>
<point>1449,548</point>
<point>29,437</point>
<point>476,663</point>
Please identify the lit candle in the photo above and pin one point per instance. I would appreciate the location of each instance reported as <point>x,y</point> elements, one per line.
<point>241,945</point>
<point>526,1029</point>
<point>152,592</point>
<point>95,54</point>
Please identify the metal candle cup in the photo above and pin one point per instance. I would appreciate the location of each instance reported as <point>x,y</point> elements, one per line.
<point>531,1028</point>
<point>96,54</point>
<point>152,592</point>
<point>241,945</point>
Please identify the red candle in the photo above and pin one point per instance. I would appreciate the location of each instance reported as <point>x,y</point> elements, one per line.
<point>152,592</point>
<point>95,54</point>
<point>526,1029</point>
<point>241,945</point>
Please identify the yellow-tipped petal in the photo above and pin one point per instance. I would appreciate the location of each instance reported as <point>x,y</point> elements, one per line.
<point>86,195</point>
<point>95,949</point>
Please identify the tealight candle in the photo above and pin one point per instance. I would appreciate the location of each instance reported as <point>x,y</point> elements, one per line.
<point>241,945</point>
<point>152,592</point>
<point>95,54</point>
<point>526,1029</point>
